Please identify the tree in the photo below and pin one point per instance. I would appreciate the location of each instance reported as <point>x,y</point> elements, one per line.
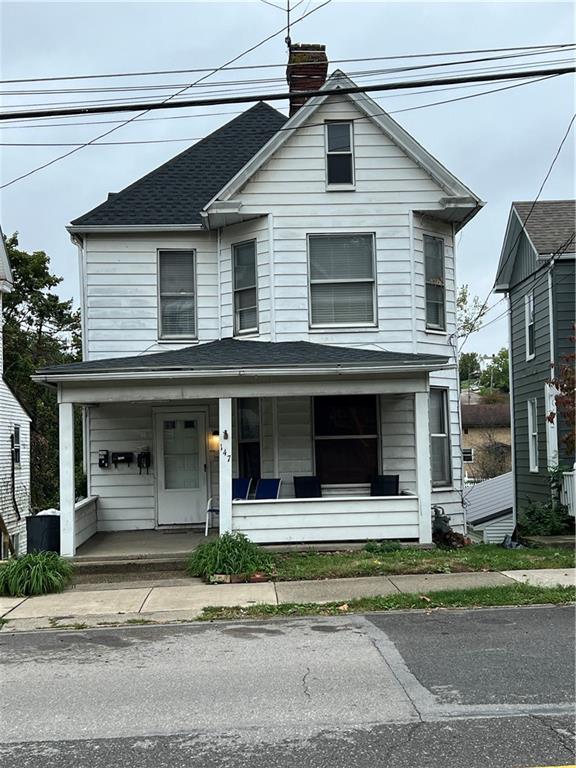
<point>469,312</point>
<point>39,330</point>
<point>565,383</point>
<point>468,366</point>
<point>492,457</point>
<point>496,374</point>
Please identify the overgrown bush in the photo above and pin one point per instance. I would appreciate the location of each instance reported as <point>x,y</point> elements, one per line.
<point>544,519</point>
<point>382,547</point>
<point>36,574</point>
<point>231,554</point>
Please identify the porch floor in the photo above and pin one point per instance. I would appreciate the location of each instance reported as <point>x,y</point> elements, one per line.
<point>119,545</point>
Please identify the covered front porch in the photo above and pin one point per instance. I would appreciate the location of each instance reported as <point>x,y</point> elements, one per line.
<point>160,442</point>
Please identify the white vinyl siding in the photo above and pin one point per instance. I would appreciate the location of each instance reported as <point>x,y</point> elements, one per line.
<point>13,415</point>
<point>339,154</point>
<point>177,286</point>
<point>342,285</point>
<point>440,452</point>
<point>435,283</point>
<point>529,323</point>
<point>532,406</point>
<point>245,288</point>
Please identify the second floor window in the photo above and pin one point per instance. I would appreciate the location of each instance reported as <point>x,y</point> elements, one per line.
<point>245,288</point>
<point>435,283</point>
<point>339,154</point>
<point>342,284</point>
<point>177,287</point>
<point>16,444</point>
<point>529,310</point>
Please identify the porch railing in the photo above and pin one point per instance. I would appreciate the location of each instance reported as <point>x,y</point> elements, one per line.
<point>568,491</point>
<point>336,518</point>
<point>85,513</point>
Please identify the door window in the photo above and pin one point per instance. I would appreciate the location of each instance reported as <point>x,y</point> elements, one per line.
<point>181,454</point>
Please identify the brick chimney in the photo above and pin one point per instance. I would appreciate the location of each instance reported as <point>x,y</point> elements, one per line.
<point>306,71</point>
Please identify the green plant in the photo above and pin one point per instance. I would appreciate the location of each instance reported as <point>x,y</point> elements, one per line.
<point>382,547</point>
<point>544,519</point>
<point>38,573</point>
<point>232,554</point>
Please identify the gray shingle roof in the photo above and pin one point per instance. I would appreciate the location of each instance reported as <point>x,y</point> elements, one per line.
<point>177,191</point>
<point>550,224</point>
<point>232,354</point>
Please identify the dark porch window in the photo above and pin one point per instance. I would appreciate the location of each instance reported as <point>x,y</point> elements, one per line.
<point>346,439</point>
<point>249,437</point>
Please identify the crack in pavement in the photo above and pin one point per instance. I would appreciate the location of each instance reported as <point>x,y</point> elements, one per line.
<point>305,683</point>
<point>566,739</point>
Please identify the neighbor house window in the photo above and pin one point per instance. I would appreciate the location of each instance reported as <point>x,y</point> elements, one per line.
<point>342,284</point>
<point>245,288</point>
<point>439,438</point>
<point>346,439</point>
<point>529,313</point>
<point>177,294</point>
<point>468,455</point>
<point>249,437</point>
<point>16,444</point>
<point>435,283</point>
<point>533,435</point>
<point>339,153</point>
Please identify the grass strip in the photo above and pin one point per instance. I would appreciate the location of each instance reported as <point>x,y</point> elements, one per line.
<point>300,566</point>
<point>478,597</point>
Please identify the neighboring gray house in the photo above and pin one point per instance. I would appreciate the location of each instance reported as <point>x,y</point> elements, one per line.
<point>278,300</point>
<point>537,273</point>
<point>14,444</point>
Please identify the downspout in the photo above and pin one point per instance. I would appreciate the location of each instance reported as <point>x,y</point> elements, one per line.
<point>218,273</point>
<point>512,420</point>
<point>272,276</point>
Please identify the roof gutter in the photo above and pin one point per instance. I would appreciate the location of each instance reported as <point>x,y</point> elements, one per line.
<point>138,374</point>
<point>112,228</point>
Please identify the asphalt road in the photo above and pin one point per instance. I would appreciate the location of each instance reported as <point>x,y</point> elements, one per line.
<point>491,688</point>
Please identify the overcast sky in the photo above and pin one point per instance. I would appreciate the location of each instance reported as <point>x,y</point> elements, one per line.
<point>500,145</point>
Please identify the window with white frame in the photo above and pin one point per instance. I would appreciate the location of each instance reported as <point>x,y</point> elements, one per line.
<point>468,455</point>
<point>339,154</point>
<point>533,434</point>
<point>177,289</point>
<point>435,283</point>
<point>342,282</point>
<point>440,438</point>
<point>249,437</point>
<point>245,288</point>
<point>529,323</point>
<point>16,444</point>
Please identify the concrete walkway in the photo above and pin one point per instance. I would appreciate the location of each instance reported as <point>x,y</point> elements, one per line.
<point>184,599</point>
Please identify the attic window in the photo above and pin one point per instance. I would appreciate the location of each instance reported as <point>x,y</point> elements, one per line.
<point>339,154</point>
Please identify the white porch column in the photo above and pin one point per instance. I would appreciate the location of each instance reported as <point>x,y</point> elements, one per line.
<point>67,489</point>
<point>423,466</point>
<point>225,480</point>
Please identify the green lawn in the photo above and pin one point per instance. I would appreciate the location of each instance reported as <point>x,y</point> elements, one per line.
<point>481,597</point>
<point>296,566</point>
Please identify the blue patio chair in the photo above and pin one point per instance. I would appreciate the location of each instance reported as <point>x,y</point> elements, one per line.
<point>307,487</point>
<point>241,487</point>
<point>385,485</point>
<point>268,488</point>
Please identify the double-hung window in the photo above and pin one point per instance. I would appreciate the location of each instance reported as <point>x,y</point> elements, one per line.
<point>16,444</point>
<point>533,434</point>
<point>342,284</point>
<point>245,288</point>
<point>177,287</point>
<point>339,154</point>
<point>435,283</point>
<point>346,439</point>
<point>468,455</point>
<point>249,437</point>
<point>440,438</point>
<point>529,318</point>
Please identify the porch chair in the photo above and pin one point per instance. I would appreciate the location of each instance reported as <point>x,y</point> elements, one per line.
<point>268,488</point>
<point>307,487</point>
<point>385,485</point>
<point>240,490</point>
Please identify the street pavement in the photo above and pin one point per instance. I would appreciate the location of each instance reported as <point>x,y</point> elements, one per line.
<point>444,689</point>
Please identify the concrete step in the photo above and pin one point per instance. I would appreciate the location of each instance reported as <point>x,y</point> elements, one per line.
<point>118,569</point>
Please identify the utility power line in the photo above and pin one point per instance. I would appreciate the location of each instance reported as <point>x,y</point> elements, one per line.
<point>244,99</point>
<point>151,73</point>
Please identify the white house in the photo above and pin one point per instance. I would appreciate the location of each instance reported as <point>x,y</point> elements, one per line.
<point>14,446</point>
<point>278,300</point>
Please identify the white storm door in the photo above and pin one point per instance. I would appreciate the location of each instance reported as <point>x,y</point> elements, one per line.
<point>181,467</point>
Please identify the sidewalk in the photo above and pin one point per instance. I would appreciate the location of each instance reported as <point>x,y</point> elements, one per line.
<point>184,599</point>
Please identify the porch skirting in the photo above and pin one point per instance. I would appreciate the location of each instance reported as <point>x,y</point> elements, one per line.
<point>327,519</point>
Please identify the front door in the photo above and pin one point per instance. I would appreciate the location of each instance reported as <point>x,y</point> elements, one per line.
<point>181,467</point>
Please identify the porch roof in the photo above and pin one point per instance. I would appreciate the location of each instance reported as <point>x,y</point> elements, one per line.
<point>231,356</point>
